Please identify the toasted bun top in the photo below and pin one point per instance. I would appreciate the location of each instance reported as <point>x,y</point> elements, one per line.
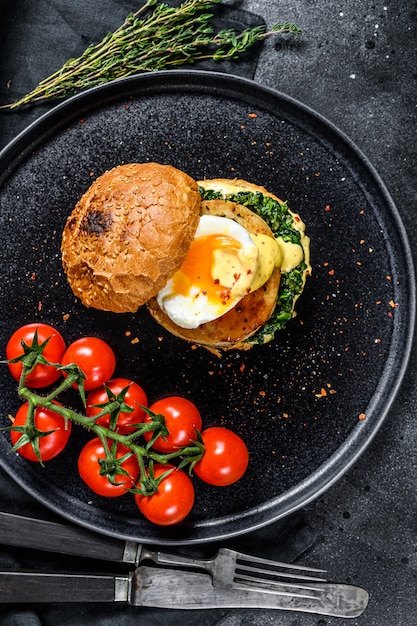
<point>128,234</point>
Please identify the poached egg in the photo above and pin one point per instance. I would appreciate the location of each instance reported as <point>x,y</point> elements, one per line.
<point>223,265</point>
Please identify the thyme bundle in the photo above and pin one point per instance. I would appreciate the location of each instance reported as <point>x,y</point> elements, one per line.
<point>156,37</point>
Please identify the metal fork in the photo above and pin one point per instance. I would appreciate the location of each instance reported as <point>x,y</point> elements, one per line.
<point>228,569</point>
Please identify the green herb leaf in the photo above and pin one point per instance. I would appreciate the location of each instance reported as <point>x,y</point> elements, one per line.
<point>156,37</point>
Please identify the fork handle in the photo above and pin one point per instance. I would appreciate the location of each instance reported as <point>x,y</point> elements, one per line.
<point>26,532</point>
<point>177,560</point>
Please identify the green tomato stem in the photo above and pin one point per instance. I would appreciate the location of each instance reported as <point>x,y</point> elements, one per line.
<point>143,453</point>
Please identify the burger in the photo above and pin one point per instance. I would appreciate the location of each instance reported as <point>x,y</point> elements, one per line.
<point>219,263</point>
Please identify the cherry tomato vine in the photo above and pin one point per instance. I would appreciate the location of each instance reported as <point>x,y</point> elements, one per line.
<point>135,448</point>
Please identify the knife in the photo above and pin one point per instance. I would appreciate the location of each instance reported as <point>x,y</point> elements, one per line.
<point>171,589</point>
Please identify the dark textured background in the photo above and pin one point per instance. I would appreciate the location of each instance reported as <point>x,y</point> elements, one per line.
<point>356,65</point>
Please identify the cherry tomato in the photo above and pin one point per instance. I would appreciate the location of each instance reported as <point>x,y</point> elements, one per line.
<point>225,458</point>
<point>45,420</point>
<point>41,375</point>
<point>182,418</point>
<point>134,398</point>
<point>172,502</point>
<point>95,357</point>
<point>89,469</point>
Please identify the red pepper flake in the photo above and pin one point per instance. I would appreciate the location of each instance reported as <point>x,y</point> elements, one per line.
<point>243,127</point>
<point>358,263</point>
<point>362,241</point>
<point>389,314</point>
<point>33,276</point>
<point>327,207</point>
<point>393,304</point>
<point>82,121</point>
<point>331,272</point>
<point>296,218</point>
<point>252,115</point>
<point>91,174</point>
<point>39,305</point>
<point>66,317</point>
<point>135,340</point>
<point>128,333</point>
<point>325,392</point>
<point>242,367</point>
<point>362,416</point>
<point>285,415</point>
<point>362,212</point>
<point>388,277</point>
<point>262,393</point>
<point>326,264</point>
<point>127,107</point>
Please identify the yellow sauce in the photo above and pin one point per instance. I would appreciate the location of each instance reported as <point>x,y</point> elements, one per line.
<point>269,258</point>
<point>292,254</point>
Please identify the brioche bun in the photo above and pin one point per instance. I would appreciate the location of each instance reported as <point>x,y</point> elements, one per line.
<point>128,234</point>
<point>132,229</point>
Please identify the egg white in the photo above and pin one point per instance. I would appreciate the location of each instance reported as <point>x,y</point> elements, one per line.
<point>194,308</point>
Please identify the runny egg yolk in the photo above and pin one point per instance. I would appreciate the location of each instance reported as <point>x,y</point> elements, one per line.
<point>214,266</point>
<point>215,275</point>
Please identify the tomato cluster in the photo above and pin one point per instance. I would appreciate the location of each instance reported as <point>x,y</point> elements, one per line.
<point>118,413</point>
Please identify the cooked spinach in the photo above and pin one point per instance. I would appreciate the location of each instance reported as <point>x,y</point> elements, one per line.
<point>281,221</point>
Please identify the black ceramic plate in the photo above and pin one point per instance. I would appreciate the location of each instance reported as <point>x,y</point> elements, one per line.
<point>297,401</point>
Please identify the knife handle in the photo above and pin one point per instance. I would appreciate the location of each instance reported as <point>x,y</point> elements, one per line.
<point>26,532</point>
<point>39,587</point>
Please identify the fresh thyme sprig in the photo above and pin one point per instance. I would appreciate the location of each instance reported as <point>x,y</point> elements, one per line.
<point>156,37</point>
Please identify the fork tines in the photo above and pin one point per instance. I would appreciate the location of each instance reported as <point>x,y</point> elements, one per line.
<point>274,575</point>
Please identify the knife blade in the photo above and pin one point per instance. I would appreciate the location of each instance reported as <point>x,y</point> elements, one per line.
<point>171,589</point>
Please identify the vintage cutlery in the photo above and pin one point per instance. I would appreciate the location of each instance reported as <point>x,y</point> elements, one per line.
<point>227,569</point>
<point>174,589</point>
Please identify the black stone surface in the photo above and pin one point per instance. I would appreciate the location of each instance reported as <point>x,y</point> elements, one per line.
<point>354,64</point>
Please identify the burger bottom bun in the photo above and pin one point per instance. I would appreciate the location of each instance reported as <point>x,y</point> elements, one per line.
<point>231,329</point>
